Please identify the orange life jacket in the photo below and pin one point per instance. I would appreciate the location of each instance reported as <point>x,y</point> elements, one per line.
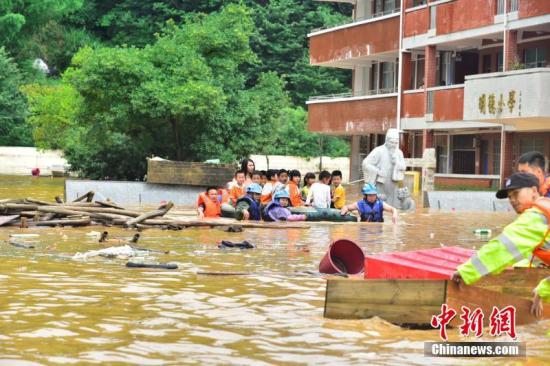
<point>295,195</point>
<point>211,208</point>
<point>543,204</point>
<point>235,193</point>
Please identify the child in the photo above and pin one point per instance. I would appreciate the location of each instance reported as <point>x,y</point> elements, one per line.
<point>319,193</point>
<point>371,208</point>
<point>294,189</point>
<point>338,192</point>
<point>256,177</point>
<point>248,206</point>
<point>238,189</point>
<point>263,178</point>
<point>282,176</point>
<point>278,209</point>
<point>267,191</point>
<point>309,179</point>
<point>209,203</point>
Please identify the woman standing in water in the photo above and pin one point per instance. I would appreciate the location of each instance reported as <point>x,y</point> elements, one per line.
<point>248,166</point>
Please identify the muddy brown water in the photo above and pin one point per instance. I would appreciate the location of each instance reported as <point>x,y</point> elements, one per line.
<point>55,310</point>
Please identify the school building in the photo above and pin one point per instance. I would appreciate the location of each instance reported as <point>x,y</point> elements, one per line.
<point>468,77</point>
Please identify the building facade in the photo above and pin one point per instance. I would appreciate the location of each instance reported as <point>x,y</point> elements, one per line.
<point>467,77</point>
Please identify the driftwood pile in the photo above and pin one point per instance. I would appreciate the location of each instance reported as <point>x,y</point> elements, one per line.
<point>85,211</point>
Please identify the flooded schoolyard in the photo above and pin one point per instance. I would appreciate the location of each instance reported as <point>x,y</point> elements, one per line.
<point>56,310</point>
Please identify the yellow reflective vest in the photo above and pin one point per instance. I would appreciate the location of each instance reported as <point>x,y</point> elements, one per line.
<point>543,289</point>
<point>517,242</point>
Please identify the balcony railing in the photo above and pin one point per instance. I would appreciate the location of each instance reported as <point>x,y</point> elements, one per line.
<point>357,93</point>
<point>359,19</point>
<point>514,6</point>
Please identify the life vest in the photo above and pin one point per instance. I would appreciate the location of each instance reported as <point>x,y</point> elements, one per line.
<point>295,196</point>
<point>253,209</point>
<point>211,208</point>
<point>542,251</point>
<point>269,207</point>
<point>371,214</point>
<point>235,192</point>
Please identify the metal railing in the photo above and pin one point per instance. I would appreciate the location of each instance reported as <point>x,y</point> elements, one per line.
<point>359,19</point>
<point>357,93</point>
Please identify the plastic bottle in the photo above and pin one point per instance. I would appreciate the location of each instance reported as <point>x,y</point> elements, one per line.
<point>482,231</point>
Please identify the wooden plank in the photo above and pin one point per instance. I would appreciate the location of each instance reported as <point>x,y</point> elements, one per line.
<point>7,219</point>
<point>397,301</point>
<point>196,174</point>
<point>476,297</point>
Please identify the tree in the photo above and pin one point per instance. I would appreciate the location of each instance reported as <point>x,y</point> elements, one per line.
<point>14,131</point>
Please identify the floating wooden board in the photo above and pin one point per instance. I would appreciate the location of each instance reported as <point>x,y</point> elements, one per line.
<point>189,173</point>
<point>414,302</point>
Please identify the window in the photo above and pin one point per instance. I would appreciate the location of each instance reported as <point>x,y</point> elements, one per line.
<point>447,76</point>
<point>442,152</point>
<point>417,74</point>
<point>419,2</point>
<point>535,57</point>
<point>500,7</point>
<point>496,156</point>
<point>382,7</point>
<point>464,154</point>
<point>388,73</point>
<point>500,61</point>
<point>527,144</point>
<point>433,16</point>
<point>487,61</point>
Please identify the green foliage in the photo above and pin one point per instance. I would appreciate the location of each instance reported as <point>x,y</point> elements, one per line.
<point>53,110</point>
<point>14,131</point>
<point>169,80</point>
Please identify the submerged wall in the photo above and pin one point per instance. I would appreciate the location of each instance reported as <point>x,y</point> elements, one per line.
<point>133,193</point>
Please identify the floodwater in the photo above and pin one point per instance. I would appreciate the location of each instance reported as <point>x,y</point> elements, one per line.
<point>55,310</point>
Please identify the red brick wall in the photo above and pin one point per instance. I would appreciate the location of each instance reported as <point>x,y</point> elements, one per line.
<point>511,49</point>
<point>427,139</point>
<point>430,66</point>
<point>460,15</point>
<point>448,105</point>
<point>416,22</point>
<point>413,105</point>
<point>356,41</point>
<point>356,117</point>
<point>531,8</point>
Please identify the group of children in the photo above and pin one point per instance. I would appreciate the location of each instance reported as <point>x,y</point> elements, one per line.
<point>267,195</point>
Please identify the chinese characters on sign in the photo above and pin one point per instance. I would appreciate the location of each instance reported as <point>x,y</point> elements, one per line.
<point>501,321</point>
<point>489,104</point>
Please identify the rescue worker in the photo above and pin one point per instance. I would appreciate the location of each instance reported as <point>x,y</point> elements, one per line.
<point>371,208</point>
<point>542,293</point>
<point>209,202</point>
<point>525,238</point>
<point>248,206</point>
<point>534,162</point>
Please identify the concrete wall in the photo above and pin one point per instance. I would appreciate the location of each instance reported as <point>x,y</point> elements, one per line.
<point>21,160</point>
<point>302,164</point>
<point>134,193</point>
<point>467,201</point>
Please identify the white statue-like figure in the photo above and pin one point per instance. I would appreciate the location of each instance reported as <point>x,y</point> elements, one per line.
<point>385,167</point>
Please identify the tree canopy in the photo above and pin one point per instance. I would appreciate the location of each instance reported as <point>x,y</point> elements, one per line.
<point>182,80</point>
